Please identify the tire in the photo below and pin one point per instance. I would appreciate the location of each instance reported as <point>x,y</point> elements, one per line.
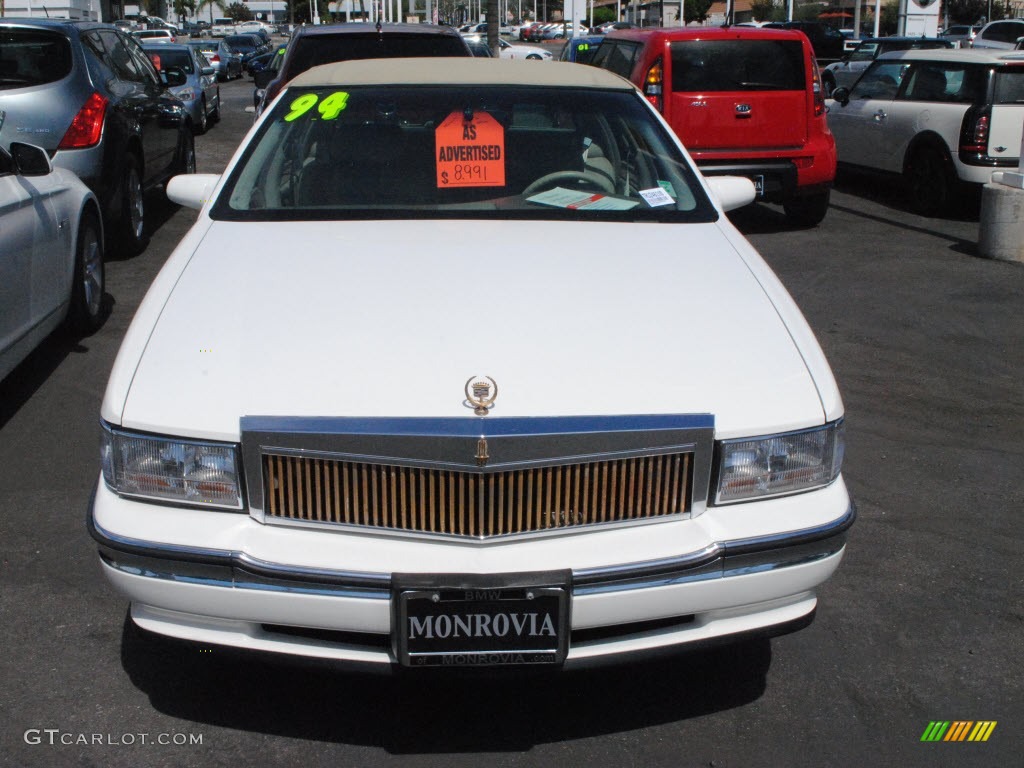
<point>131,229</point>
<point>86,313</point>
<point>203,125</point>
<point>931,181</point>
<point>808,210</point>
<point>828,84</point>
<point>185,162</point>
<point>215,115</point>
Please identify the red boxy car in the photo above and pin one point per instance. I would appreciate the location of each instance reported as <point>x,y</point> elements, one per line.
<point>744,101</point>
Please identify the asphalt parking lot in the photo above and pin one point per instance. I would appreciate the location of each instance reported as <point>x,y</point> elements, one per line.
<point>923,622</point>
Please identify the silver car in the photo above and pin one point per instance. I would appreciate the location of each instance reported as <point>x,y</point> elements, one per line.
<point>51,263</point>
<point>87,94</point>
<point>226,64</point>
<point>200,94</point>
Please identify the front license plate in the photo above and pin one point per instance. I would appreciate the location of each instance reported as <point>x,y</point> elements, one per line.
<point>469,622</point>
<point>758,185</point>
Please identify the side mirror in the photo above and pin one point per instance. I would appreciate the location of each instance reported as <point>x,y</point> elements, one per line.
<point>207,70</point>
<point>732,192</point>
<point>841,95</point>
<point>193,190</point>
<point>30,160</point>
<point>263,78</point>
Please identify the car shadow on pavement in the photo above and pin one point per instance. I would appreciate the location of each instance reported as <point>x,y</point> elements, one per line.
<point>472,712</point>
<point>890,191</point>
<point>18,387</point>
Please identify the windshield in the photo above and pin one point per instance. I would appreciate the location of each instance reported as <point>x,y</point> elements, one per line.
<point>466,152</point>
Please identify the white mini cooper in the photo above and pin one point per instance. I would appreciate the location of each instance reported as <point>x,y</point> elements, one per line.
<point>336,430</point>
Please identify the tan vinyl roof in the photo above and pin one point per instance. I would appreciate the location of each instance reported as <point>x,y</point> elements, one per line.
<point>460,71</point>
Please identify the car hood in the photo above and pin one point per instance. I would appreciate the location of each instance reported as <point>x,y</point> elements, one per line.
<point>392,318</point>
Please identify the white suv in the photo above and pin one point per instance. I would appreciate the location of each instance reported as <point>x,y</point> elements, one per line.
<point>939,117</point>
<point>1002,34</point>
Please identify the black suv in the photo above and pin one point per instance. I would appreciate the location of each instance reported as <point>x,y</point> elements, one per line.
<point>315,45</point>
<point>87,94</point>
<point>826,41</point>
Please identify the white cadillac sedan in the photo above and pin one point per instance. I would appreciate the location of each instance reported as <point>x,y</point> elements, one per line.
<point>334,429</point>
<point>51,253</point>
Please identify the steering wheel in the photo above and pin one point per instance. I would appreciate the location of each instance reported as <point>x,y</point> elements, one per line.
<point>589,177</point>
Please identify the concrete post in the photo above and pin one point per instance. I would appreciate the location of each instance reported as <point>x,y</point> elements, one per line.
<point>1001,227</point>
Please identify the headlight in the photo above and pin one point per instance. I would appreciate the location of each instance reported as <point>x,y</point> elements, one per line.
<point>190,472</point>
<point>779,464</point>
<point>185,93</point>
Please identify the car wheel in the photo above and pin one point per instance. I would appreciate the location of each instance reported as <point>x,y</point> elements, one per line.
<point>86,311</point>
<point>931,180</point>
<point>533,56</point>
<point>807,210</point>
<point>132,226</point>
<point>203,125</point>
<point>186,162</point>
<point>215,115</point>
<point>828,84</point>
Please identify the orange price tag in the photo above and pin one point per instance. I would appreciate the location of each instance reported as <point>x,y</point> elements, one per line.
<point>470,152</point>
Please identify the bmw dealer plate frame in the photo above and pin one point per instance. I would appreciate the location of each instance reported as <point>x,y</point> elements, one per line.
<point>469,620</point>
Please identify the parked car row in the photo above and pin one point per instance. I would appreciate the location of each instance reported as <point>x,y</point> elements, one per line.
<point>88,94</point>
<point>506,50</point>
<point>846,71</point>
<point>538,31</point>
<point>227,64</point>
<point>199,93</point>
<point>91,121</point>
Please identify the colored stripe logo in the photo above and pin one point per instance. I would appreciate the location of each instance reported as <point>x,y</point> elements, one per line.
<point>958,730</point>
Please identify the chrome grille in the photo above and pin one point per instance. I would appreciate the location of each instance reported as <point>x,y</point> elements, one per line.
<point>476,504</point>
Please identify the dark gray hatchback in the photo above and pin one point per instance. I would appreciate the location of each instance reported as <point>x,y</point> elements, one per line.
<point>312,46</point>
<point>87,94</point>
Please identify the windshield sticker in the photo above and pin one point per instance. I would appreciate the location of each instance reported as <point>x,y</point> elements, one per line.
<point>575,200</point>
<point>329,108</point>
<point>470,150</point>
<point>656,196</point>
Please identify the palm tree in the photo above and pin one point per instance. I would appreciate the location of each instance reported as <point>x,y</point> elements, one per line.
<point>184,8</point>
<point>222,6</point>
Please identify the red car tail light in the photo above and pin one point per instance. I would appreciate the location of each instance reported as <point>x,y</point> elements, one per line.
<point>974,131</point>
<point>215,59</point>
<point>87,127</point>
<point>819,95</point>
<point>653,85</point>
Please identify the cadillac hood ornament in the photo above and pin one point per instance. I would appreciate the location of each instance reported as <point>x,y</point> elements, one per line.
<point>481,392</point>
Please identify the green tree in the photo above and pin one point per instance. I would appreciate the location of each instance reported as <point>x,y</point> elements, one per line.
<point>808,11</point>
<point>239,12</point>
<point>763,10</point>
<point>890,21</point>
<point>965,11</point>
<point>184,8</point>
<point>603,14</point>
<point>696,11</point>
